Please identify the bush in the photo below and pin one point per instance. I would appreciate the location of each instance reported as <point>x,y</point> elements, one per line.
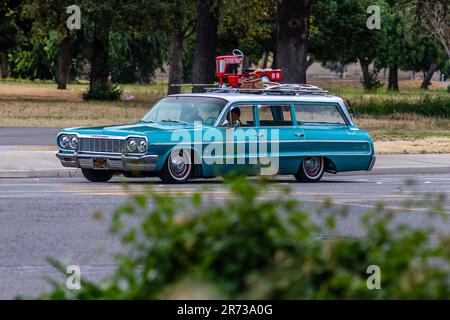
<point>251,247</point>
<point>107,92</point>
<point>372,83</point>
<point>430,107</point>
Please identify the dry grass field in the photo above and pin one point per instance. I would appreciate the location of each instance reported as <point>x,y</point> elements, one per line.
<point>41,104</point>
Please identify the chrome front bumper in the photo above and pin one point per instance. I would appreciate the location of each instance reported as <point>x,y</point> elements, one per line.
<point>115,162</point>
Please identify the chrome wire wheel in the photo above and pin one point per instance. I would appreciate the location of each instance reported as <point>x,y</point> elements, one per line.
<point>179,164</point>
<point>311,169</point>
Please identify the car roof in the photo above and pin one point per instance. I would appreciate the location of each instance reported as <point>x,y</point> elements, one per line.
<point>238,97</point>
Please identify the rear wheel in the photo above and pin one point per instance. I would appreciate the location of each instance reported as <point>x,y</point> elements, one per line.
<point>178,167</point>
<point>311,169</point>
<point>97,175</point>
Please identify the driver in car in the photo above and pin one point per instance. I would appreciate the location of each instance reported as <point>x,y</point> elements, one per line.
<point>235,116</point>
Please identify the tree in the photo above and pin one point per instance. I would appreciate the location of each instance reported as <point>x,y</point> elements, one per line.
<point>203,69</point>
<point>435,17</point>
<point>339,34</point>
<point>249,26</point>
<point>425,56</point>
<point>52,16</point>
<point>293,23</point>
<point>8,32</point>
<point>181,24</point>
<point>395,45</point>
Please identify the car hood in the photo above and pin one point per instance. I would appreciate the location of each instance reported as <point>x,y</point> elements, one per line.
<point>140,128</point>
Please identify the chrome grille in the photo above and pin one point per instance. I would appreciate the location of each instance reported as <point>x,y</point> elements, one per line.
<point>102,145</point>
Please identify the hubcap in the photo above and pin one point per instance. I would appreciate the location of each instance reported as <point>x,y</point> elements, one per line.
<point>179,164</point>
<point>312,166</point>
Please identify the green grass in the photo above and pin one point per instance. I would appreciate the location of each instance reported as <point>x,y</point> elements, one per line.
<point>429,106</point>
<point>356,94</point>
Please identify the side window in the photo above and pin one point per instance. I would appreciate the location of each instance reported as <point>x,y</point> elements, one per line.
<point>275,115</point>
<point>318,113</point>
<point>242,113</point>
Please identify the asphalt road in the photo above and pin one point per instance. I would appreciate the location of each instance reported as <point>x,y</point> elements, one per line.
<point>54,217</point>
<point>28,136</point>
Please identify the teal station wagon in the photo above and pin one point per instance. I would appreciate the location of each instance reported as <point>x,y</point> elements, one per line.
<point>282,130</point>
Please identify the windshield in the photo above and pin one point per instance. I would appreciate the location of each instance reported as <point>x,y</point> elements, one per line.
<point>186,110</point>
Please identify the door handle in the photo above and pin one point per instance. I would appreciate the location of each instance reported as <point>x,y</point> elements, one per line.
<point>299,134</point>
<point>260,135</point>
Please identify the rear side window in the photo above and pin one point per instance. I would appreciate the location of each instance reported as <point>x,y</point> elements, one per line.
<point>318,113</point>
<point>275,115</point>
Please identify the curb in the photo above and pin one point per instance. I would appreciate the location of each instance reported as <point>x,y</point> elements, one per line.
<point>396,170</point>
<point>71,173</point>
<point>63,173</point>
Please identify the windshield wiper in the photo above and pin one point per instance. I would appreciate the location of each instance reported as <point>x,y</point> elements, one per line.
<point>147,121</point>
<point>176,121</point>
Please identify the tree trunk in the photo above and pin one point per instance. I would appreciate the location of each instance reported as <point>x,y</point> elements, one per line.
<point>431,70</point>
<point>309,62</point>
<point>176,63</point>
<point>100,52</point>
<point>292,38</point>
<point>365,71</point>
<point>274,60</point>
<point>265,59</point>
<point>64,61</point>
<point>3,64</point>
<point>393,79</point>
<point>203,69</point>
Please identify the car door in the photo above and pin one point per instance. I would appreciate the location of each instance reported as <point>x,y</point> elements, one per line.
<point>328,133</point>
<point>283,138</point>
<point>239,141</point>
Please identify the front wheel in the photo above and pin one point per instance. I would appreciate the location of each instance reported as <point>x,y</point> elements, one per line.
<point>178,167</point>
<point>97,175</point>
<point>311,169</point>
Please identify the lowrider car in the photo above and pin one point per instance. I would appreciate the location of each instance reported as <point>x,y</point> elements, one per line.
<point>299,132</point>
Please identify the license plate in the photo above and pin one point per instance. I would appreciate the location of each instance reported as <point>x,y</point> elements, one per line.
<point>100,163</point>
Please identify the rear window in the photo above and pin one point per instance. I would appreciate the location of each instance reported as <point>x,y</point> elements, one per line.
<point>318,113</point>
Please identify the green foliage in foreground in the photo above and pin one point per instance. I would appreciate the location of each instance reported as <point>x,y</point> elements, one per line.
<point>431,107</point>
<point>251,246</point>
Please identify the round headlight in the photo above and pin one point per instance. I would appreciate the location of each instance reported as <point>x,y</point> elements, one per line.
<point>142,146</point>
<point>64,141</point>
<point>73,142</point>
<point>132,145</point>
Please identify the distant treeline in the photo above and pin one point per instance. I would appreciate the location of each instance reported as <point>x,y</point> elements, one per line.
<point>126,41</point>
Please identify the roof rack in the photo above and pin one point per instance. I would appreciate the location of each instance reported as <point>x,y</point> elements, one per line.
<point>273,88</point>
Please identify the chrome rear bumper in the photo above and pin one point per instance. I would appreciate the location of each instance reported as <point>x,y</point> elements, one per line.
<point>115,162</point>
<point>372,163</point>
